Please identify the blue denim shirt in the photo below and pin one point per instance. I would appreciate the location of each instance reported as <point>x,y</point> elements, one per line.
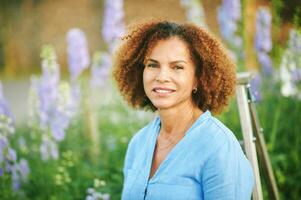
<point>207,163</point>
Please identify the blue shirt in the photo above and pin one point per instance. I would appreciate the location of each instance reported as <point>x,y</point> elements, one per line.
<point>207,163</point>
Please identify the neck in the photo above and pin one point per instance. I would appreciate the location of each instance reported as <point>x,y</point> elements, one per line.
<point>175,121</point>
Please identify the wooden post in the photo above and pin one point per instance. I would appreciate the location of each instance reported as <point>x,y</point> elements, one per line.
<point>248,137</point>
<point>250,147</point>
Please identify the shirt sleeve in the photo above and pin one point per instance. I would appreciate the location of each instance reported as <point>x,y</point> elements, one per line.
<point>227,174</point>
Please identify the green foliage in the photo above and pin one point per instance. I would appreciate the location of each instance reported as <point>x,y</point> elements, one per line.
<point>78,168</point>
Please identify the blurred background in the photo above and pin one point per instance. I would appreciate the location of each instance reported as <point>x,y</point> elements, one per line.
<point>64,128</point>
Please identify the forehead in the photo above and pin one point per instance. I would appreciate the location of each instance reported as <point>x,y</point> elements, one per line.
<point>172,48</point>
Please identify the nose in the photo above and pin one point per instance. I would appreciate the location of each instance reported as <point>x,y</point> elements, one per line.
<point>162,75</point>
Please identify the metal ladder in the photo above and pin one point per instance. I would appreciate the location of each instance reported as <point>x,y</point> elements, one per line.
<point>253,139</point>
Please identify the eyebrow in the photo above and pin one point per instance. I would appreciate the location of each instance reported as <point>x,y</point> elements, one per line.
<point>176,61</point>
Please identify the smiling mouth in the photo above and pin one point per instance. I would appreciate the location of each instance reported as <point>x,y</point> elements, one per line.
<point>163,90</point>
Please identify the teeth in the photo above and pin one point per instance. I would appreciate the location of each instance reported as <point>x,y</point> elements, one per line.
<point>162,91</point>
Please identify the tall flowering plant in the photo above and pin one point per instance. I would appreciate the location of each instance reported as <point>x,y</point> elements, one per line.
<point>113,28</point>
<point>263,41</point>
<point>113,22</point>
<point>100,68</point>
<point>78,53</point>
<point>194,11</point>
<point>51,104</point>
<point>229,17</point>
<point>290,67</point>
<point>263,45</point>
<point>78,60</point>
<point>17,171</point>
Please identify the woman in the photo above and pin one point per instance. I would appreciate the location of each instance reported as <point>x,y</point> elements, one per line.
<point>183,73</point>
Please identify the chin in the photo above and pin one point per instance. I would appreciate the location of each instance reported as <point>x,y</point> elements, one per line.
<point>161,105</point>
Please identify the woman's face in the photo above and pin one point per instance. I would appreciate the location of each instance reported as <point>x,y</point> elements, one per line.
<point>169,74</point>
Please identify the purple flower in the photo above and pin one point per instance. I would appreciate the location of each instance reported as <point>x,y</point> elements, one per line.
<point>4,108</point>
<point>48,149</point>
<point>3,142</point>
<point>47,86</point>
<point>12,155</point>
<point>296,80</point>
<point>266,63</point>
<point>229,17</point>
<point>3,146</point>
<point>263,41</point>
<point>290,66</point>
<point>78,54</point>
<point>294,43</point>
<point>100,68</point>
<point>113,23</point>
<point>232,9</point>
<point>23,169</point>
<point>52,104</point>
<point>194,12</point>
<point>255,87</point>
<point>58,125</point>
<point>15,178</point>
<point>22,143</point>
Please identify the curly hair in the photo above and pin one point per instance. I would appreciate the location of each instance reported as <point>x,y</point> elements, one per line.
<point>214,70</point>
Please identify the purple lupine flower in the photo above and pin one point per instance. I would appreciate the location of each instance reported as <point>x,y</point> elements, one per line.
<point>3,142</point>
<point>15,177</point>
<point>47,88</point>
<point>48,149</point>
<point>23,169</point>
<point>65,110</point>
<point>296,81</point>
<point>296,75</point>
<point>229,17</point>
<point>266,63</point>
<point>4,107</point>
<point>255,87</point>
<point>8,155</point>
<point>113,23</point>
<point>294,43</point>
<point>3,145</point>
<point>58,126</point>
<point>263,41</point>
<point>22,143</point>
<point>78,54</point>
<point>194,12</point>
<point>12,155</point>
<point>52,104</point>
<point>290,67</point>
<point>100,68</point>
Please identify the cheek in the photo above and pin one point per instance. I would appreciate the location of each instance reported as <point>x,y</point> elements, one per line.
<point>188,82</point>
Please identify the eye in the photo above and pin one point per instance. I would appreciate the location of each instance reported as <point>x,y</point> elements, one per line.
<point>177,67</point>
<point>151,65</point>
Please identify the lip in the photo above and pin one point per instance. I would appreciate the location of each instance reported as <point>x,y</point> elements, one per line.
<point>164,91</point>
<point>163,88</point>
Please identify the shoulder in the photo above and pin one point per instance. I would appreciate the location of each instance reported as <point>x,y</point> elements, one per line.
<point>142,136</point>
<point>224,150</point>
<point>220,136</point>
<point>226,164</point>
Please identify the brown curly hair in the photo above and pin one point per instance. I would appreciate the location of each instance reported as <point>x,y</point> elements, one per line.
<point>215,71</point>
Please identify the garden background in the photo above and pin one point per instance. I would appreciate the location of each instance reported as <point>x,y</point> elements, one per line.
<point>64,128</point>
